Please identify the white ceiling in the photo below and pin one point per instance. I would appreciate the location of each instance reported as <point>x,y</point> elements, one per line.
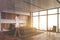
<point>27,5</point>
<point>45,4</point>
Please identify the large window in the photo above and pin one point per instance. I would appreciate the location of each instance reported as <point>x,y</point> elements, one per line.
<point>35,22</point>
<point>49,16</point>
<point>43,23</point>
<point>52,21</point>
<point>35,14</point>
<point>52,11</point>
<point>43,12</point>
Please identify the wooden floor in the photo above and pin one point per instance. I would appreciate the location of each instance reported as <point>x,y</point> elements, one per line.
<point>42,36</point>
<point>45,36</point>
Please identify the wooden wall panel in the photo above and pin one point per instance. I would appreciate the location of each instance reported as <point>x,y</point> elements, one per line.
<point>12,16</point>
<point>24,18</point>
<point>8,15</point>
<point>5,25</point>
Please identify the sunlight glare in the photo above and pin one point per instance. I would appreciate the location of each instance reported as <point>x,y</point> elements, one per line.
<point>35,22</point>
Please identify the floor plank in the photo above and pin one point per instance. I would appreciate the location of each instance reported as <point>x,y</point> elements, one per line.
<point>42,36</point>
<point>46,36</point>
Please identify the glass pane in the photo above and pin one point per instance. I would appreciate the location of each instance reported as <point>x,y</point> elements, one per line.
<point>35,13</point>
<point>35,22</point>
<point>59,10</point>
<point>52,11</point>
<point>52,21</point>
<point>43,23</point>
<point>43,12</point>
